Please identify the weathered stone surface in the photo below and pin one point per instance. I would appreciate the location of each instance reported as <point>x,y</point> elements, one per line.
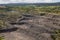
<point>34,28</point>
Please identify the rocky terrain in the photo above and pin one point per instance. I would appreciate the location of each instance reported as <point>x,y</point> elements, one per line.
<point>30,27</point>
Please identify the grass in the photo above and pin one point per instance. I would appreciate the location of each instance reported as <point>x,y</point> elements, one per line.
<point>37,9</point>
<point>32,9</point>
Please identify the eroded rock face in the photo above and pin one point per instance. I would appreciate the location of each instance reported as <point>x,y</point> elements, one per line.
<point>34,28</point>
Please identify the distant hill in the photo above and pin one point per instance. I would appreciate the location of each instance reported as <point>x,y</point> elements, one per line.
<point>39,4</point>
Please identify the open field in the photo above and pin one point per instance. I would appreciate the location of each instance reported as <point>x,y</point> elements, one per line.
<point>30,22</point>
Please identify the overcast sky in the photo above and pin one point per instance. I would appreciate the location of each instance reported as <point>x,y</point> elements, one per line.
<point>27,1</point>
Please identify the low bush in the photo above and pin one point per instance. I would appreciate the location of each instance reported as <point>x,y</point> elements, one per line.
<point>56,35</point>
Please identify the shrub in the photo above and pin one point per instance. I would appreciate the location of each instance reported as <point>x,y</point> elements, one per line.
<point>42,14</point>
<point>2,24</point>
<point>1,38</point>
<point>57,35</point>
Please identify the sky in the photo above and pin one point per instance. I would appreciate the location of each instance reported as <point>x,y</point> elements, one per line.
<point>27,1</point>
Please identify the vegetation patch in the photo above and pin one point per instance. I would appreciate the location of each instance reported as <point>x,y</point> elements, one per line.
<point>1,38</point>
<point>56,35</point>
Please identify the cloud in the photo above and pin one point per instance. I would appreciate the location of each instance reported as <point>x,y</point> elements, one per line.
<point>47,0</point>
<point>24,1</point>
